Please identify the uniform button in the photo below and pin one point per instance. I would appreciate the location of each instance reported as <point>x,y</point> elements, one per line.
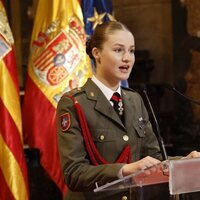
<point>101,137</point>
<point>92,94</point>
<point>125,138</point>
<point>124,198</point>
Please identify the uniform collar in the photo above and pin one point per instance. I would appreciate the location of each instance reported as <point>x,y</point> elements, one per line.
<point>102,105</point>
<point>105,90</point>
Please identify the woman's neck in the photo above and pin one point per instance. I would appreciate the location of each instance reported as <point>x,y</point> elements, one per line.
<point>109,83</point>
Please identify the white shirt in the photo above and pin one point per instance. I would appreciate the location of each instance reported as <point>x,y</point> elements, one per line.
<point>106,90</point>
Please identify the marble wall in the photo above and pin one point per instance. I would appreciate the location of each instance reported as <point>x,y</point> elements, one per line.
<point>151,23</point>
<point>161,27</point>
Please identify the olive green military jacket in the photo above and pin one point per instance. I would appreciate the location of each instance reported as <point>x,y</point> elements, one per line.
<point>109,134</point>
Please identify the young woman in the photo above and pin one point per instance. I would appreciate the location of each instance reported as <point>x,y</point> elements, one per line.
<point>96,142</point>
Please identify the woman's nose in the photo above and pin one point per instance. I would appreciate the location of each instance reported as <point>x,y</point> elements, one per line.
<point>128,57</point>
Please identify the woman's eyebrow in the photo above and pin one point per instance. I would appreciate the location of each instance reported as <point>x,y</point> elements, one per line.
<point>119,44</point>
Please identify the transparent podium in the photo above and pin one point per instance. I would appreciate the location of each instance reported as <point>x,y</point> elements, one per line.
<point>182,176</point>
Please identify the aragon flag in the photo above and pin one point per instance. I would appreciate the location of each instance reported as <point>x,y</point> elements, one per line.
<point>13,171</point>
<point>57,64</point>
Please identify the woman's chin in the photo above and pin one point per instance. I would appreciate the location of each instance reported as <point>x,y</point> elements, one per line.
<point>124,76</point>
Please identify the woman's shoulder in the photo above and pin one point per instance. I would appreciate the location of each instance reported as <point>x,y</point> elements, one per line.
<point>130,91</point>
<point>72,95</point>
<point>74,92</point>
<point>132,94</point>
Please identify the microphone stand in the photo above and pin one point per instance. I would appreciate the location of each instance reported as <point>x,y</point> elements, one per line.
<point>170,87</point>
<point>159,138</point>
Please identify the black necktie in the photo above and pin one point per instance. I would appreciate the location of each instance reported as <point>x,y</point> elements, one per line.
<point>117,104</point>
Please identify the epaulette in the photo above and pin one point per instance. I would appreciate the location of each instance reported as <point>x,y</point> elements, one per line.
<point>128,89</point>
<point>74,92</point>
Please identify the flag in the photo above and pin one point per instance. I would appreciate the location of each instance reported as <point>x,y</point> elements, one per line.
<point>57,64</point>
<point>13,171</point>
<point>96,12</point>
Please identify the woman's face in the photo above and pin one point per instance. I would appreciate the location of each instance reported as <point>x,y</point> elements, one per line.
<point>115,60</point>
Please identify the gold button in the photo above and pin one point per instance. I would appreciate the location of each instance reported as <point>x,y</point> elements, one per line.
<point>125,138</point>
<point>102,137</point>
<point>124,198</point>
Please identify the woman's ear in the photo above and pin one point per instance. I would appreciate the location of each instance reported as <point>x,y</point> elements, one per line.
<point>96,54</point>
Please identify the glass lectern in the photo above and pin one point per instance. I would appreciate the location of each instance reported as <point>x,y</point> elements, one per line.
<point>183,176</point>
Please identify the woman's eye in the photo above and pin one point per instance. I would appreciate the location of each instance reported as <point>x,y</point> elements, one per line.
<point>118,50</point>
<point>132,51</point>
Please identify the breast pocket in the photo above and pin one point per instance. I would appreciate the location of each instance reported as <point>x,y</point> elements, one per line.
<point>140,131</point>
<point>140,127</point>
<point>108,143</point>
<point>103,135</point>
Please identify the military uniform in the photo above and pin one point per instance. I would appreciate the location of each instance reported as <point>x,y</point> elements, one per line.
<point>110,136</point>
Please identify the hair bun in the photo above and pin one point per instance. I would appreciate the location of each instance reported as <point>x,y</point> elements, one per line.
<point>89,48</point>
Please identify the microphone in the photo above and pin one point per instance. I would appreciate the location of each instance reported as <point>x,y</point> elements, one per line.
<point>172,88</point>
<point>159,138</point>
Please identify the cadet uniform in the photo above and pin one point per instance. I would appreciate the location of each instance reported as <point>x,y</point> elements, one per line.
<point>110,137</point>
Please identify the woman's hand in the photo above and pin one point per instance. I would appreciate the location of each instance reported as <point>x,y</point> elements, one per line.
<point>193,154</point>
<point>139,165</point>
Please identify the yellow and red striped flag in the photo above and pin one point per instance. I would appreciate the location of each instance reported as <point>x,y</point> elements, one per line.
<point>57,64</point>
<point>13,171</point>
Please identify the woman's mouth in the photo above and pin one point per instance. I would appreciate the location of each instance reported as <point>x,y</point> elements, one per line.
<point>124,68</point>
